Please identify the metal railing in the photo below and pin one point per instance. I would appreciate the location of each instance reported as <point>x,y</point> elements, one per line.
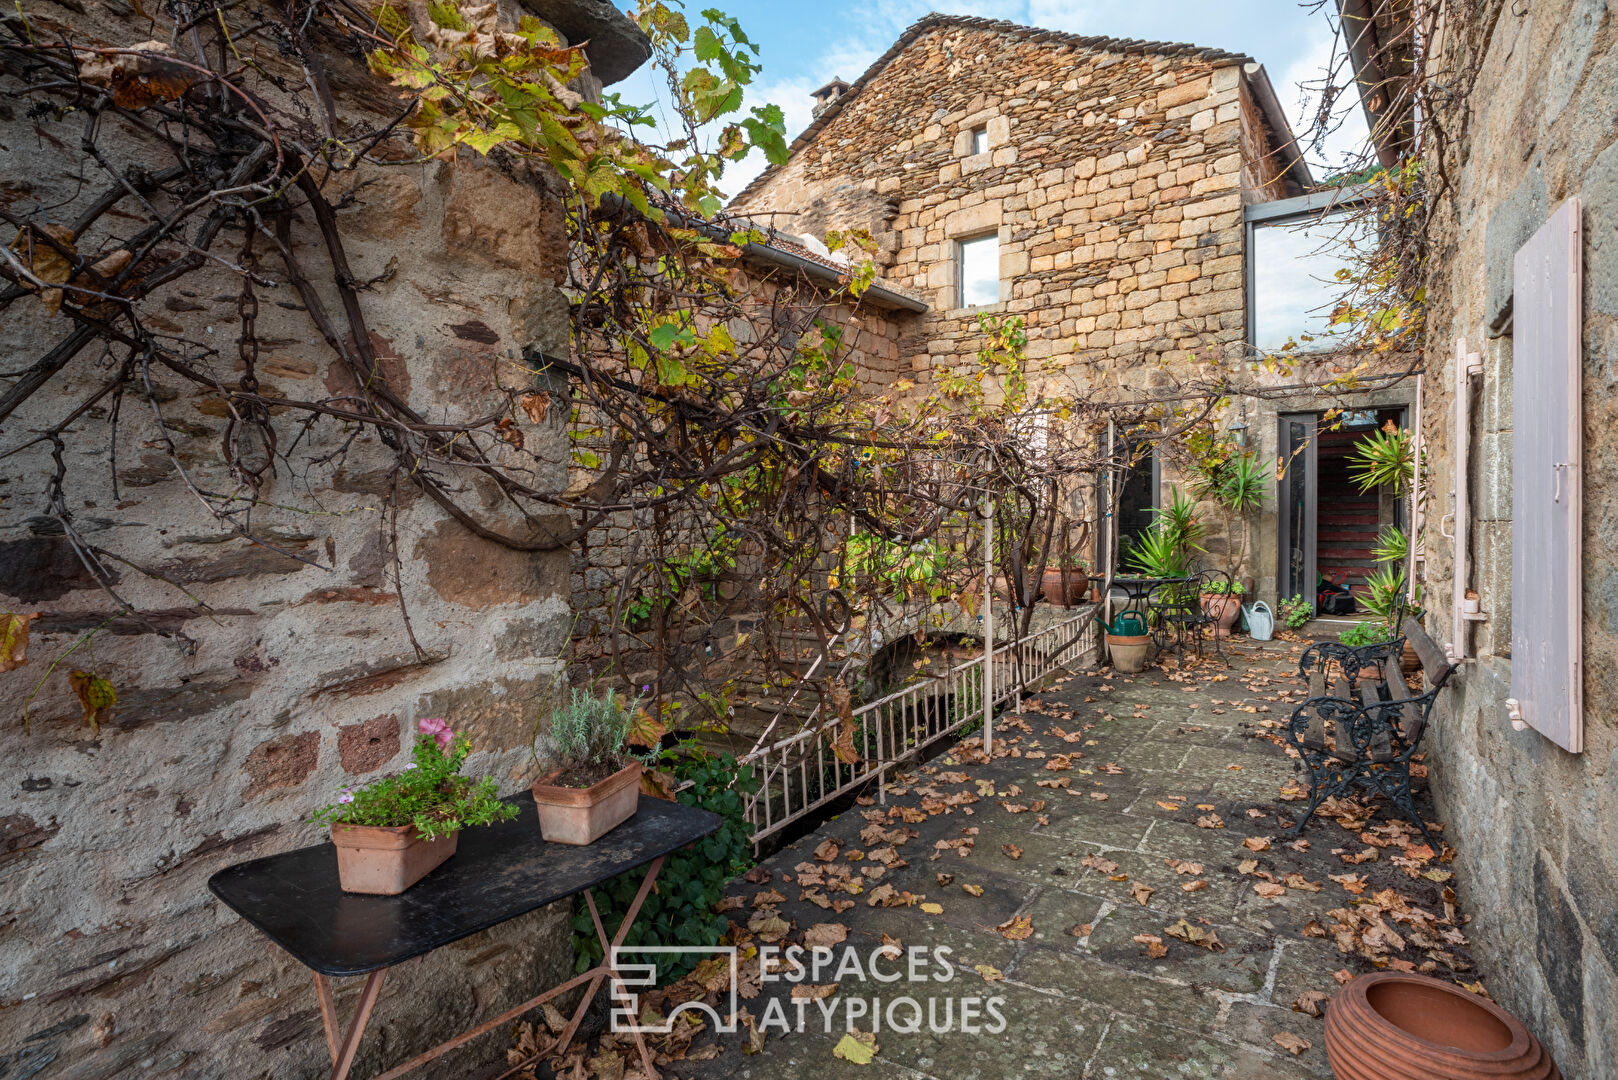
<point>800,773</point>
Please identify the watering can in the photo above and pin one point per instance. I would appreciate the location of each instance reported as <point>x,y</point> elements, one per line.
<point>1127,624</point>
<point>1260,620</point>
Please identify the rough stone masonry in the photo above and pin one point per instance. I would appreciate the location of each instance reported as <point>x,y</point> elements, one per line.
<point>114,958</point>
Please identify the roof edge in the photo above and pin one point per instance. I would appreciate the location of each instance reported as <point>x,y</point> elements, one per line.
<point>1286,142</point>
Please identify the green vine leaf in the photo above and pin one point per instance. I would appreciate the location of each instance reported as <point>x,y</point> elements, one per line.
<point>95,693</point>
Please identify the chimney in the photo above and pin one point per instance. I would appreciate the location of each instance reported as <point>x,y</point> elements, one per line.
<point>828,94</point>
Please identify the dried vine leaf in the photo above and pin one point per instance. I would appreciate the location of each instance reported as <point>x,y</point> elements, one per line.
<point>537,406</point>
<point>842,740</point>
<point>141,75</point>
<point>646,729</point>
<point>14,639</point>
<point>95,693</point>
<point>45,262</point>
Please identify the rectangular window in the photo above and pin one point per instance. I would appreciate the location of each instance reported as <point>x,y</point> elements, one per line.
<point>978,264</point>
<point>1295,286</point>
<point>980,140</point>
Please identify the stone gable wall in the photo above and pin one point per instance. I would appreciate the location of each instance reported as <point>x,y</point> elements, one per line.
<point>1114,184</point>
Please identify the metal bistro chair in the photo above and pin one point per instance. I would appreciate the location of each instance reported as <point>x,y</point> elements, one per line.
<point>1347,745</point>
<point>1178,618</point>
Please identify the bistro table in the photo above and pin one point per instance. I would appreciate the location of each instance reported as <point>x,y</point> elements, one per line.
<point>1138,588</point>
<point>497,873</point>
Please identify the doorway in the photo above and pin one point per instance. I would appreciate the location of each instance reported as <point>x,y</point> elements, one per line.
<point>1328,526</point>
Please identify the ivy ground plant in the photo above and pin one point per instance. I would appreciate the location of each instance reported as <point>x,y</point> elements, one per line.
<point>430,793</point>
<point>682,909</point>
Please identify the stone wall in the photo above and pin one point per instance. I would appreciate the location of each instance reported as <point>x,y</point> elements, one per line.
<point>1112,177</point>
<point>1537,828</point>
<point>114,958</point>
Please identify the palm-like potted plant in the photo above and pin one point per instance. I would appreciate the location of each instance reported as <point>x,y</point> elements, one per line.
<point>393,832</point>
<point>592,784</point>
<point>1235,481</point>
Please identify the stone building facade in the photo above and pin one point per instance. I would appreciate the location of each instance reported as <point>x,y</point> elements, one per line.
<point>1112,174</point>
<point>1536,826</point>
<point>114,958</point>
<point>1119,182</point>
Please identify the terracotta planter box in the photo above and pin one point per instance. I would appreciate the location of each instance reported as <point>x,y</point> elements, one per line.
<point>387,860</point>
<point>1128,652</point>
<point>569,815</point>
<point>1389,1026</point>
<point>1066,590</point>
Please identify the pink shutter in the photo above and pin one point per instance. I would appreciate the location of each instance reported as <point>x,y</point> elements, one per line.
<point>1547,671</point>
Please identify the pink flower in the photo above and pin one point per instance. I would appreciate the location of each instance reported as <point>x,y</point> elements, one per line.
<point>438,728</point>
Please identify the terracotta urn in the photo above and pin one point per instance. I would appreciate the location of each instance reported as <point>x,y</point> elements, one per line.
<point>572,815</point>
<point>386,860</point>
<point>1222,608</point>
<point>1128,651</point>
<point>1409,659</point>
<point>1065,588</point>
<point>1392,1026</point>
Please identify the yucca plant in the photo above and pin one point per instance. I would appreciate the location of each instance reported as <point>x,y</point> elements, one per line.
<point>1237,485</point>
<point>1387,457</point>
<point>1168,547</point>
<point>1392,545</point>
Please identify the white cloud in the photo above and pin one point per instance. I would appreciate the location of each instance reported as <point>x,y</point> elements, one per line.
<point>1071,16</point>
<point>1298,88</point>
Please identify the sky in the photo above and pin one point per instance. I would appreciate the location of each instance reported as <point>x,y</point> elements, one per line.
<point>805,45</point>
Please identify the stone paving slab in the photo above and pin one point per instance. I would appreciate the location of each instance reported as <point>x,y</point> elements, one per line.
<point>1054,909</point>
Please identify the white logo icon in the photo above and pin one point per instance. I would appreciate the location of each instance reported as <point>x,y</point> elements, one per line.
<point>625,1018</point>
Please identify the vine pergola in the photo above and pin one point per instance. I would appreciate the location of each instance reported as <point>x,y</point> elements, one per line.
<point>215,149</point>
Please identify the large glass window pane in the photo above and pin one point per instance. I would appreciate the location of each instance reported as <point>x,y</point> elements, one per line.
<point>980,271</point>
<point>1295,282</point>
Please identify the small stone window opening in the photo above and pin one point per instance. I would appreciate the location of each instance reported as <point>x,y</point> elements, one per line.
<point>978,270</point>
<point>980,141</point>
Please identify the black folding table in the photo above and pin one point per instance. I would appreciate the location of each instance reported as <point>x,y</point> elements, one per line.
<point>497,873</point>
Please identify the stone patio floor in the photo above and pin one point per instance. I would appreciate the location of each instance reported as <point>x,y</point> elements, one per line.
<point>1089,896</point>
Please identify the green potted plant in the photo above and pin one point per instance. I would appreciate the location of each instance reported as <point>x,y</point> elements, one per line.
<point>393,832</point>
<point>1295,611</point>
<point>592,784</point>
<point>1066,581</point>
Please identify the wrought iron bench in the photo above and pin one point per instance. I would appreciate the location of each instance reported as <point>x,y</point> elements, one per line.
<point>1347,743</point>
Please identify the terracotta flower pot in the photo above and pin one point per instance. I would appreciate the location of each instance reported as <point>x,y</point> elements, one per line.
<point>1128,651</point>
<point>1065,588</point>
<point>387,860</point>
<point>1390,1026</point>
<point>570,815</point>
<point>1223,609</point>
<point>1409,659</point>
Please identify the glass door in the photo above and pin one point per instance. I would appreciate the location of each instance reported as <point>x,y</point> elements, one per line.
<point>1297,494</point>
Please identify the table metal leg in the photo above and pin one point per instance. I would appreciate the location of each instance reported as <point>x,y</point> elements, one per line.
<point>343,1051</point>
<point>605,970</point>
<point>342,1055</point>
